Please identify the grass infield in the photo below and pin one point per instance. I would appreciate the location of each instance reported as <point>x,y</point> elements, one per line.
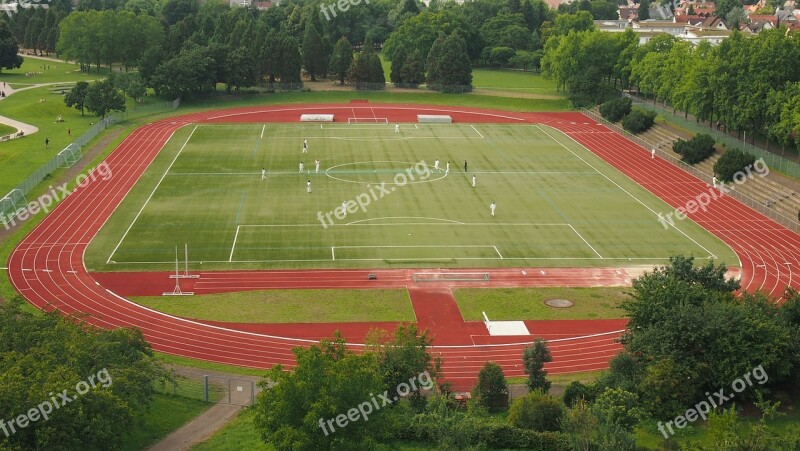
<point>513,304</point>
<point>290,306</point>
<point>557,203</point>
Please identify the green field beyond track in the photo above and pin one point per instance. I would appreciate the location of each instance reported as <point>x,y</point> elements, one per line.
<point>557,204</point>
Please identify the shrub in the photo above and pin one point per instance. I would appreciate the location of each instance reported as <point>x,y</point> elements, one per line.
<point>696,149</point>
<point>491,391</point>
<point>731,162</point>
<point>638,120</point>
<point>537,411</point>
<point>577,391</point>
<point>614,110</point>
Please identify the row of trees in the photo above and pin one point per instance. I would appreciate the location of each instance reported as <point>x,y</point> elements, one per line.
<point>747,84</point>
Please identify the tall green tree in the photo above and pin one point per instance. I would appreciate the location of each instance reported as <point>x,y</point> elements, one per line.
<point>533,359</point>
<point>76,97</point>
<point>397,66</point>
<point>449,68</point>
<point>315,59</point>
<point>9,59</point>
<point>413,71</point>
<point>491,391</point>
<point>644,10</point>
<point>341,59</point>
<point>102,97</point>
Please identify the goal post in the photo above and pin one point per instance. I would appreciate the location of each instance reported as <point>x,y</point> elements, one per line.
<point>69,156</point>
<point>368,120</point>
<point>10,204</point>
<point>450,276</point>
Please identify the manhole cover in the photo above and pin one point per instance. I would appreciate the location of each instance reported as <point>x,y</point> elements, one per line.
<point>559,303</point>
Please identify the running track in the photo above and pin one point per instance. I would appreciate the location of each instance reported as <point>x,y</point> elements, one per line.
<point>47,267</point>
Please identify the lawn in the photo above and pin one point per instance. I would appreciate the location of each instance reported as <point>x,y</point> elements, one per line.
<point>290,306</point>
<point>6,130</point>
<point>46,71</point>
<point>513,80</point>
<point>528,303</point>
<point>166,414</point>
<point>557,204</point>
<point>240,433</point>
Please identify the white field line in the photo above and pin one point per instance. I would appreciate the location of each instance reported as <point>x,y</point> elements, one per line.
<point>584,240</point>
<point>620,187</point>
<point>381,259</point>
<point>151,195</point>
<point>476,131</point>
<point>333,254</point>
<point>498,252</point>
<point>264,127</point>
<point>230,259</point>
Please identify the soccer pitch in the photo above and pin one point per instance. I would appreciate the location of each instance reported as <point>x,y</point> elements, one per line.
<point>557,204</point>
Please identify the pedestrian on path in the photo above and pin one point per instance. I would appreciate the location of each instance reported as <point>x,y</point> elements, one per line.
<point>474,181</point>
<point>46,143</point>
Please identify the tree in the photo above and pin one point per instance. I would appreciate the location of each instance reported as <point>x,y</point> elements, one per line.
<point>413,71</point>
<point>8,48</point>
<point>299,409</point>
<point>315,60</point>
<point>341,59</point>
<point>644,10</point>
<point>725,6</point>
<point>76,97</point>
<point>449,68</point>
<point>43,354</point>
<point>537,411</point>
<point>617,412</point>
<point>404,356</point>
<point>397,66</point>
<point>731,162</point>
<point>102,97</point>
<point>533,359</point>
<point>491,390</point>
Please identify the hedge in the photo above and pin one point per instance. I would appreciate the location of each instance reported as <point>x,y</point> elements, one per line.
<point>638,120</point>
<point>696,149</point>
<point>614,110</point>
<point>731,162</point>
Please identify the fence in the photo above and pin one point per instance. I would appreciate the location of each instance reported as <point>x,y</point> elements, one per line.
<point>209,388</point>
<point>72,153</point>
<point>774,161</point>
<point>756,205</point>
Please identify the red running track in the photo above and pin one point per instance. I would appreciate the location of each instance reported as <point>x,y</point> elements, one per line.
<point>47,267</point>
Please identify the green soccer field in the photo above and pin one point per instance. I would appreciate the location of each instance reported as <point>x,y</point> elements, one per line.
<point>557,204</point>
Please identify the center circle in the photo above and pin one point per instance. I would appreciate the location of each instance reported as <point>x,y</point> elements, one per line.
<point>390,172</point>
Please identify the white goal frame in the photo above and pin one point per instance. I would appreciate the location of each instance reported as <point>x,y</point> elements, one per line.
<point>368,120</point>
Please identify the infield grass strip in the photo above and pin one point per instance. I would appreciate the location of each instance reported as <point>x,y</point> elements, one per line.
<point>290,306</point>
<point>516,304</point>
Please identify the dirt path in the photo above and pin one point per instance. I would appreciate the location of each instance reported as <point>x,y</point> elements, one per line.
<point>200,428</point>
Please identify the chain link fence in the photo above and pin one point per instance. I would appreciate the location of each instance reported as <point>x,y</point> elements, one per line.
<point>774,161</point>
<point>210,388</point>
<point>72,153</point>
<point>790,223</point>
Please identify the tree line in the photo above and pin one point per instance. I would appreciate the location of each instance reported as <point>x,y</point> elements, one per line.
<point>745,84</point>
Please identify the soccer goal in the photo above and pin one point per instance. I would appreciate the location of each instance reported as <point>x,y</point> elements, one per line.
<point>367,120</point>
<point>10,205</point>
<point>69,156</point>
<point>450,276</point>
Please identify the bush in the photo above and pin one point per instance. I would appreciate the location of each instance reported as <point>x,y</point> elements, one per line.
<point>537,411</point>
<point>638,120</point>
<point>577,391</point>
<point>696,149</point>
<point>614,110</point>
<point>731,162</point>
<point>491,391</point>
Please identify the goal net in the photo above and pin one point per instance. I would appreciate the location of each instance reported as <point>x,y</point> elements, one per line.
<point>367,120</point>
<point>69,156</point>
<point>450,276</point>
<point>10,204</point>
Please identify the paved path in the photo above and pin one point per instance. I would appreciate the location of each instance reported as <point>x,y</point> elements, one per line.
<point>27,128</point>
<point>199,429</point>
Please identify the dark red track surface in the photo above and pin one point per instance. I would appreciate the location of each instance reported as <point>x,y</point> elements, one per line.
<point>47,267</point>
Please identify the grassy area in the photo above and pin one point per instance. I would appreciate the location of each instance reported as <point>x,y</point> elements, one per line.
<point>166,414</point>
<point>202,364</point>
<point>553,209</point>
<point>290,306</point>
<point>237,434</point>
<point>6,130</point>
<point>528,303</point>
<point>46,71</point>
<point>513,80</point>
